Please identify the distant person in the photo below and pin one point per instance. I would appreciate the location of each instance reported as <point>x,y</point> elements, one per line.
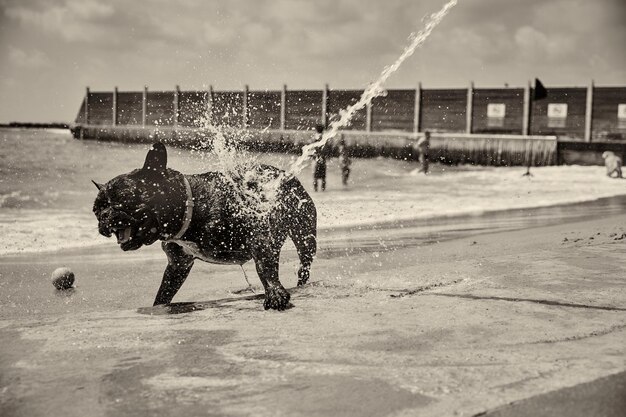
<point>344,162</point>
<point>423,148</point>
<point>613,164</point>
<point>319,172</point>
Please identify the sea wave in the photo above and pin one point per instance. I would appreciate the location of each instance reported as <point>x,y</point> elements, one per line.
<point>22,200</point>
<point>466,192</point>
<point>28,231</point>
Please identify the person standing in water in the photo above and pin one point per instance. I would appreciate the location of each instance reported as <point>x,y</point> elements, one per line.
<point>319,171</point>
<point>344,162</point>
<point>423,147</point>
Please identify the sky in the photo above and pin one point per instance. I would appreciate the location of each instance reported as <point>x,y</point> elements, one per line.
<point>52,49</point>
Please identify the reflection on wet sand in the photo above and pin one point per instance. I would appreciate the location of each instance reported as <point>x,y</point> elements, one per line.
<point>388,237</point>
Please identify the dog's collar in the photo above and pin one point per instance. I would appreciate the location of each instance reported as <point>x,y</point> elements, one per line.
<point>188,211</point>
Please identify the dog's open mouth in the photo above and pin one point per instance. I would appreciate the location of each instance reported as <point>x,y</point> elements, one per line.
<point>124,235</point>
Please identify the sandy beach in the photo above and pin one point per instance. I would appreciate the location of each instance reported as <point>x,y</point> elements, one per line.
<point>459,327</point>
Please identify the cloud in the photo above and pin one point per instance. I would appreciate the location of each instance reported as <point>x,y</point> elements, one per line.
<point>577,16</point>
<point>575,33</point>
<point>538,46</point>
<point>72,20</point>
<point>9,82</point>
<point>265,43</point>
<point>219,34</point>
<point>88,9</point>
<point>32,59</point>
<point>530,39</point>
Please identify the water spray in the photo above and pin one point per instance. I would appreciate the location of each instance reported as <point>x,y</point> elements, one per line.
<point>374,90</point>
<point>260,201</point>
<point>258,191</point>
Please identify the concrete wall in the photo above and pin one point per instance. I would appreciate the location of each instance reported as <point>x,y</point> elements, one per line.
<point>448,148</point>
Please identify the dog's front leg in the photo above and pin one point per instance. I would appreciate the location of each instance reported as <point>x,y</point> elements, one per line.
<point>178,266</point>
<point>276,296</point>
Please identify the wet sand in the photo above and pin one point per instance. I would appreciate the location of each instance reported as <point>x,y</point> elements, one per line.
<point>458,327</point>
<point>602,397</point>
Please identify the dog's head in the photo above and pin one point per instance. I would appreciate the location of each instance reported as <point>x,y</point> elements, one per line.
<point>606,154</point>
<point>135,207</point>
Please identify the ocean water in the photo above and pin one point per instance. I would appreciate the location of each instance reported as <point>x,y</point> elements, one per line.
<point>46,194</point>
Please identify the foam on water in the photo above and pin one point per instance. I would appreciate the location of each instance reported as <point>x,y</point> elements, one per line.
<point>458,192</point>
<point>369,200</point>
<point>31,231</point>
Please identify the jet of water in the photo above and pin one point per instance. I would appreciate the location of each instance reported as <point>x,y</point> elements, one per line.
<point>262,199</point>
<point>374,90</point>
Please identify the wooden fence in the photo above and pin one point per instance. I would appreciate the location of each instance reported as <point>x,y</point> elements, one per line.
<point>584,113</point>
<point>498,119</point>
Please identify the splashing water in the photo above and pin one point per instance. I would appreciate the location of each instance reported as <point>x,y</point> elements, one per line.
<point>262,198</point>
<point>254,188</point>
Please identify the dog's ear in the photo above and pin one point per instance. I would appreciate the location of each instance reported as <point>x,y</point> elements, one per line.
<point>100,187</point>
<point>156,160</point>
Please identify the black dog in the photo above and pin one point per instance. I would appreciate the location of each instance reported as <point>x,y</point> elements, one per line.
<point>205,217</point>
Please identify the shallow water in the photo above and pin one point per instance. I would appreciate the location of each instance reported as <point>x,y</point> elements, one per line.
<point>46,194</point>
<point>390,236</point>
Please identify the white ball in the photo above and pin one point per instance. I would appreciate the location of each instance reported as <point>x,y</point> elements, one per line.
<point>62,278</point>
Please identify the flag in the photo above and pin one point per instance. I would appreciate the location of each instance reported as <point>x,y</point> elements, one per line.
<point>540,91</point>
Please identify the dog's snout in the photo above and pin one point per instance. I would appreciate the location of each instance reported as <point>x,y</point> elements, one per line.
<point>104,230</point>
<point>109,221</point>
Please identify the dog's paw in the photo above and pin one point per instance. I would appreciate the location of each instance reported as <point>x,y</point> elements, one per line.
<point>303,276</point>
<point>276,298</point>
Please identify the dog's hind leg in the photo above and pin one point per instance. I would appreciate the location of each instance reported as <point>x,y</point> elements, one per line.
<point>178,266</point>
<point>306,247</point>
<point>302,228</point>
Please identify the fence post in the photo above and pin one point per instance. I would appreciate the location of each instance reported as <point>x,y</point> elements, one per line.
<point>244,120</point>
<point>368,116</point>
<point>209,106</point>
<point>589,112</point>
<point>114,107</point>
<point>144,106</point>
<point>526,111</point>
<point>325,106</point>
<point>176,106</point>
<point>87,106</point>
<point>470,108</point>
<point>283,107</point>
<point>417,110</point>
